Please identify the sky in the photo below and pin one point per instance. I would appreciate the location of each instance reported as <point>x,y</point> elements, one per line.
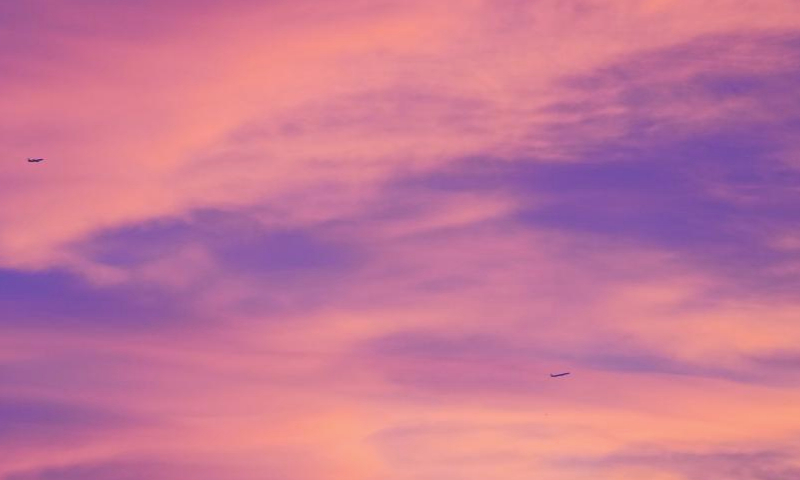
<point>351,239</point>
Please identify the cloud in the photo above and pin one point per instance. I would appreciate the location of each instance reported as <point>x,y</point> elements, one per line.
<point>237,241</point>
<point>64,300</point>
<point>34,427</point>
<point>138,470</point>
<point>24,419</point>
<point>735,464</point>
<point>351,240</point>
<point>698,162</point>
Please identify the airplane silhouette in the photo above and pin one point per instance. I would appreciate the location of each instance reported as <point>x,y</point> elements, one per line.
<point>35,160</point>
<point>554,375</point>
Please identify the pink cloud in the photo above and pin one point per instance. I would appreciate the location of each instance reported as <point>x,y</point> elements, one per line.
<point>352,240</point>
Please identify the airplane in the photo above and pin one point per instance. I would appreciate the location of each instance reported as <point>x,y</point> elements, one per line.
<point>35,160</point>
<point>554,375</point>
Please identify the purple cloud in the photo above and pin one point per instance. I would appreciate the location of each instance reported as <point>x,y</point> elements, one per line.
<point>23,419</point>
<point>135,470</point>
<point>60,299</point>
<point>773,464</point>
<point>236,240</point>
<point>716,193</point>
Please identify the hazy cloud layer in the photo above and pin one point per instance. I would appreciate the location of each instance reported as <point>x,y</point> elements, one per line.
<point>300,241</point>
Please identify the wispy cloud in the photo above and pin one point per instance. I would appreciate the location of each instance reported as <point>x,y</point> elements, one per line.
<point>299,240</point>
